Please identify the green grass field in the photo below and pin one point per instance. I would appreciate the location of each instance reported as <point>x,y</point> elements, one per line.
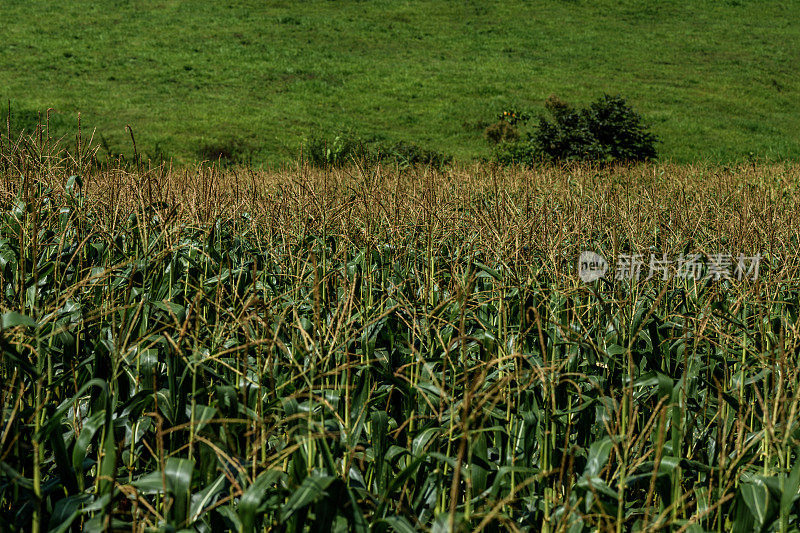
<point>716,80</point>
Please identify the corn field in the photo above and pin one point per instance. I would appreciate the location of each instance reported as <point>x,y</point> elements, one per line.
<point>375,349</point>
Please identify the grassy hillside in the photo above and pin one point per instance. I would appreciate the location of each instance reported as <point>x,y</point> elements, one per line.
<point>715,79</point>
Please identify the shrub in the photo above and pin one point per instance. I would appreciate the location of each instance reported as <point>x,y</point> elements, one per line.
<point>407,154</point>
<point>513,116</point>
<point>344,149</point>
<point>520,152</point>
<point>606,131</point>
<point>501,131</point>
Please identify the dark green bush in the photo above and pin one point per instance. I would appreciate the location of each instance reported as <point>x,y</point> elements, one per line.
<point>606,131</point>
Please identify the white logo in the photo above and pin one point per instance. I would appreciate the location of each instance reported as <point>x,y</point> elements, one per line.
<point>591,266</point>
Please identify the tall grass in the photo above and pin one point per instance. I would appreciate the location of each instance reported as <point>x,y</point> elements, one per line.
<point>376,350</point>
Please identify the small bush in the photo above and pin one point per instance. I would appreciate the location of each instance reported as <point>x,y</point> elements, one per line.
<point>520,152</point>
<point>347,149</point>
<point>501,131</point>
<point>343,149</point>
<point>513,116</point>
<point>408,155</point>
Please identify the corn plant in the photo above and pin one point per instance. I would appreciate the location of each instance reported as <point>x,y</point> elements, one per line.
<point>375,349</point>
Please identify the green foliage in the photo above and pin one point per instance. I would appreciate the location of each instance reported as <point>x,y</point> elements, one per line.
<point>514,116</point>
<point>349,149</point>
<point>407,154</point>
<point>343,149</point>
<point>606,131</point>
<point>515,152</point>
<point>501,132</point>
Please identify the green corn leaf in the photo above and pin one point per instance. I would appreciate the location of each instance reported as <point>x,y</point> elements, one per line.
<point>311,490</point>
<point>178,473</point>
<point>88,431</point>
<point>65,512</point>
<point>253,498</point>
<point>757,498</point>
<point>12,319</point>
<point>598,455</point>
<point>398,524</point>
<point>790,488</point>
